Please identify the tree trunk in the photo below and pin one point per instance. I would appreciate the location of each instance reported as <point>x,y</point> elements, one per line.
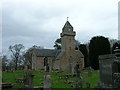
<point>16,64</point>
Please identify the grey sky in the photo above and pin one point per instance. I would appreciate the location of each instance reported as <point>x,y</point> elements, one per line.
<point>40,22</point>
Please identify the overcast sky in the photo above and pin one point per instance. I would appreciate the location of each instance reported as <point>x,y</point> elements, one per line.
<point>40,22</point>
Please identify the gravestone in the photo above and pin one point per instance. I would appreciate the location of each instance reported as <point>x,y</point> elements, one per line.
<point>28,75</point>
<point>47,81</point>
<point>79,82</point>
<point>77,69</point>
<point>31,75</point>
<point>89,71</point>
<point>47,77</point>
<point>116,74</point>
<point>116,80</point>
<point>105,64</point>
<point>79,79</point>
<point>110,69</point>
<point>116,66</point>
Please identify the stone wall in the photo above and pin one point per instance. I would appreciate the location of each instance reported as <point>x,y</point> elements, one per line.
<point>66,62</point>
<point>56,64</point>
<point>40,62</point>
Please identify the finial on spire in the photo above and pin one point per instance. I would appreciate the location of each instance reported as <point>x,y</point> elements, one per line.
<point>67,18</point>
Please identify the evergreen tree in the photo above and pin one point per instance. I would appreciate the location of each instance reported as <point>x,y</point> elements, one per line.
<point>84,51</point>
<point>99,45</point>
<point>57,44</point>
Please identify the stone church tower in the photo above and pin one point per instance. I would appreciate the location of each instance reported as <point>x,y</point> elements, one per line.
<point>64,59</point>
<point>69,56</point>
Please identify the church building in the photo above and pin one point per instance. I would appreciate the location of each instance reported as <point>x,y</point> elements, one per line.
<point>64,59</point>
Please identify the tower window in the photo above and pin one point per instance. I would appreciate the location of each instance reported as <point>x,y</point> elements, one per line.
<point>69,29</point>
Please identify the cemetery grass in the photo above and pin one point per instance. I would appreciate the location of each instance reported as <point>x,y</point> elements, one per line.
<point>55,80</point>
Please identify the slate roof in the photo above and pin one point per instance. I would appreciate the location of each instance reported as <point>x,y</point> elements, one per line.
<point>79,53</point>
<point>67,25</point>
<point>47,52</point>
<point>60,55</point>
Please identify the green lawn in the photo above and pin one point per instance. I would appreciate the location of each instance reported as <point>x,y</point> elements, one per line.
<point>56,82</point>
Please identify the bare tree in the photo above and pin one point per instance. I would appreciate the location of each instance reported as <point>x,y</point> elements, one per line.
<point>16,53</point>
<point>4,62</point>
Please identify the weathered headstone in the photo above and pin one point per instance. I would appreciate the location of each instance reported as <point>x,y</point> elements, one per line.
<point>89,71</point>
<point>79,79</point>
<point>110,69</point>
<point>116,74</point>
<point>77,69</point>
<point>47,81</point>
<point>105,64</point>
<point>79,82</point>
<point>116,66</point>
<point>31,75</point>
<point>116,80</point>
<point>28,77</point>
